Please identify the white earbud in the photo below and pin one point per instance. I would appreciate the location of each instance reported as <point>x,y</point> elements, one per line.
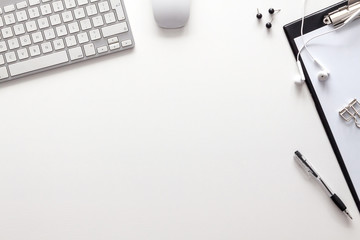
<point>300,79</point>
<point>323,75</point>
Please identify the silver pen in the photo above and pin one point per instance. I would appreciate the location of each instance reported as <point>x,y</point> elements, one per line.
<point>310,169</point>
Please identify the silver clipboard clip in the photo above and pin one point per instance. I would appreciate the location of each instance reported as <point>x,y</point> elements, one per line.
<point>339,16</point>
<point>352,112</point>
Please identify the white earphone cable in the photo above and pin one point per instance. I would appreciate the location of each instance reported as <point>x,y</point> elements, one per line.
<point>305,45</point>
<point>302,28</point>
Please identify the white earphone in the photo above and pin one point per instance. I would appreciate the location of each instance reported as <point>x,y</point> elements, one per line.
<point>323,74</point>
<point>300,79</point>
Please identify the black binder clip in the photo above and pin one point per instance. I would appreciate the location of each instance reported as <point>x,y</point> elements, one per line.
<point>352,112</point>
<point>339,16</point>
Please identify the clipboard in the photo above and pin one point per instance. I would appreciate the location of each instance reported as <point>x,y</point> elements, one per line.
<point>336,14</point>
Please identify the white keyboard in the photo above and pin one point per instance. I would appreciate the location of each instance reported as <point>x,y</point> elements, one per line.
<point>38,35</point>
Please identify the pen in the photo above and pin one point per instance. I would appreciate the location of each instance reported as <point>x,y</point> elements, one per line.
<point>310,169</point>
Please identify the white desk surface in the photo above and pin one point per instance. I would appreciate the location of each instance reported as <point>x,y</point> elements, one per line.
<point>188,136</point>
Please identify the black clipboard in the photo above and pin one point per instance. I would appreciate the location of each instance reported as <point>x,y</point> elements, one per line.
<point>292,30</point>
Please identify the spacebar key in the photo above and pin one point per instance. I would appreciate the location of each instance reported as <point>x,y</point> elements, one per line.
<point>38,63</point>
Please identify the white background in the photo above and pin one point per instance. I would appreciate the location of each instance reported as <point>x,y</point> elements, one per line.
<point>188,136</point>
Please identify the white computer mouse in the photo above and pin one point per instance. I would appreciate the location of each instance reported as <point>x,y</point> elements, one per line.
<point>171,13</point>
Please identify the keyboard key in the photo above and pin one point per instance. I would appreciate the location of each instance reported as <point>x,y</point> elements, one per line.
<point>89,49</point>
<point>73,27</point>
<point>49,34</point>
<point>95,34</point>
<point>97,21</point>
<point>58,6</point>
<point>114,46</point>
<point>45,9</point>
<point>115,29</point>
<point>10,57</point>
<point>113,40</point>
<point>31,26</point>
<point>43,23</point>
<point>55,19</point>
<point>2,61</point>
<point>82,37</point>
<point>38,63</point>
<point>21,5</point>
<point>110,18</point>
<point>3,73</point>
<point>46,47</point>
<point>19,29</point>
<point>34,12</point>
<point>7,32</point>
<point>91,10</point>
<point>37,37</point>
<point>70,4</point>
<point>59,44</point>
<point>103,7</point>
<point>25,40</point>
<point>76,53</point>
<point>67,16</point>
<point>82,2</point>
<point>79,13</point>
<point>9,8</point>
<point>120,13</point>
<point>34,50</point>
<point>21,16</point>
<point>102,49</point>
<point>34,2</point>
<point>13,43</point>
<point>9,19</point>
<point>85,24</point>
<point>116,5</point>
<point>61,31</point>
<point>22,53</point>
<point>126,43</point>
<point>70,41</point>
<point>3,47</point>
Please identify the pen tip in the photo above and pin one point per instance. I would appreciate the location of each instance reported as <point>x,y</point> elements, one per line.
<point>347,213</point>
